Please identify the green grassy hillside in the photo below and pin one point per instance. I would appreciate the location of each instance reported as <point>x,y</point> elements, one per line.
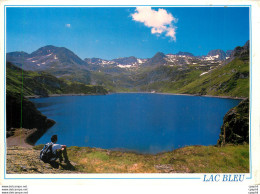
<point>171,79</point>
<point>227,80</point>
<point>43,84</point>
<point>230,79</point>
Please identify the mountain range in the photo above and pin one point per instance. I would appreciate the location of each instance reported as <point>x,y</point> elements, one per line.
<point>161,73</point>
<point>51,58</point>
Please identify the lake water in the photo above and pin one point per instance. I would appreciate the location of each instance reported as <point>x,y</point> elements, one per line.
<point>144,123</point>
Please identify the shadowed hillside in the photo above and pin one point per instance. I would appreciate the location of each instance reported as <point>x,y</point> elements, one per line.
<point>31,83</point>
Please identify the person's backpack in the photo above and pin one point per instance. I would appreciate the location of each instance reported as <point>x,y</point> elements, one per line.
<point>46,153</point>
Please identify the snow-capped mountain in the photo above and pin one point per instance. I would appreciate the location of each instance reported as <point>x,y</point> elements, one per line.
<point>60,59</point>
<point>125,62</point>
<point>216,55</point>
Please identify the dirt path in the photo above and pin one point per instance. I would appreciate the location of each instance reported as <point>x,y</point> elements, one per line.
<point>19,137</point>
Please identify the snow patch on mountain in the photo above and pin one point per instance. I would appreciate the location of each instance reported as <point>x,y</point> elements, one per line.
<point>204,73</point>
<point>124,66</point>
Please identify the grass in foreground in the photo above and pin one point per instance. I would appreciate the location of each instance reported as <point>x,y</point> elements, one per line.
<point>192,159</point>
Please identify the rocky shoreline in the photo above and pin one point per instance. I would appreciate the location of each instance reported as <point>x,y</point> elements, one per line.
<point>211,96</point>
<point>175,94</point>
<point>58,95</point>
<point>235,127</point>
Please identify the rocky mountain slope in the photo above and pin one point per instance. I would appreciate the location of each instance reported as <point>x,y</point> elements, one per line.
<point>46,58</point>
<point>58,61</point>
<point>218,54</point>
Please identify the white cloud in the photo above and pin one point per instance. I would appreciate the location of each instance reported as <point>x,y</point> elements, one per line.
<point>68,25</point>
<point>160,21</point>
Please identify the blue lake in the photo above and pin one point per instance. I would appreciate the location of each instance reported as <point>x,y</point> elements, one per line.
<point>144,123</point>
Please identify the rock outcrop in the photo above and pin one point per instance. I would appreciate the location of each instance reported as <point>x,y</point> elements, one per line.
<point>21,113</point>
<point>241,52</point>
<point>235,128</point>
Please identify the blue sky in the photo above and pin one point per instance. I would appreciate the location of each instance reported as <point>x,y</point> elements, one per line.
<point>111,32</point>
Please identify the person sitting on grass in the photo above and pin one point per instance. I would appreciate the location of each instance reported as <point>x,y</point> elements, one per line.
<point>52,151</point>
<point>59,150</point>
